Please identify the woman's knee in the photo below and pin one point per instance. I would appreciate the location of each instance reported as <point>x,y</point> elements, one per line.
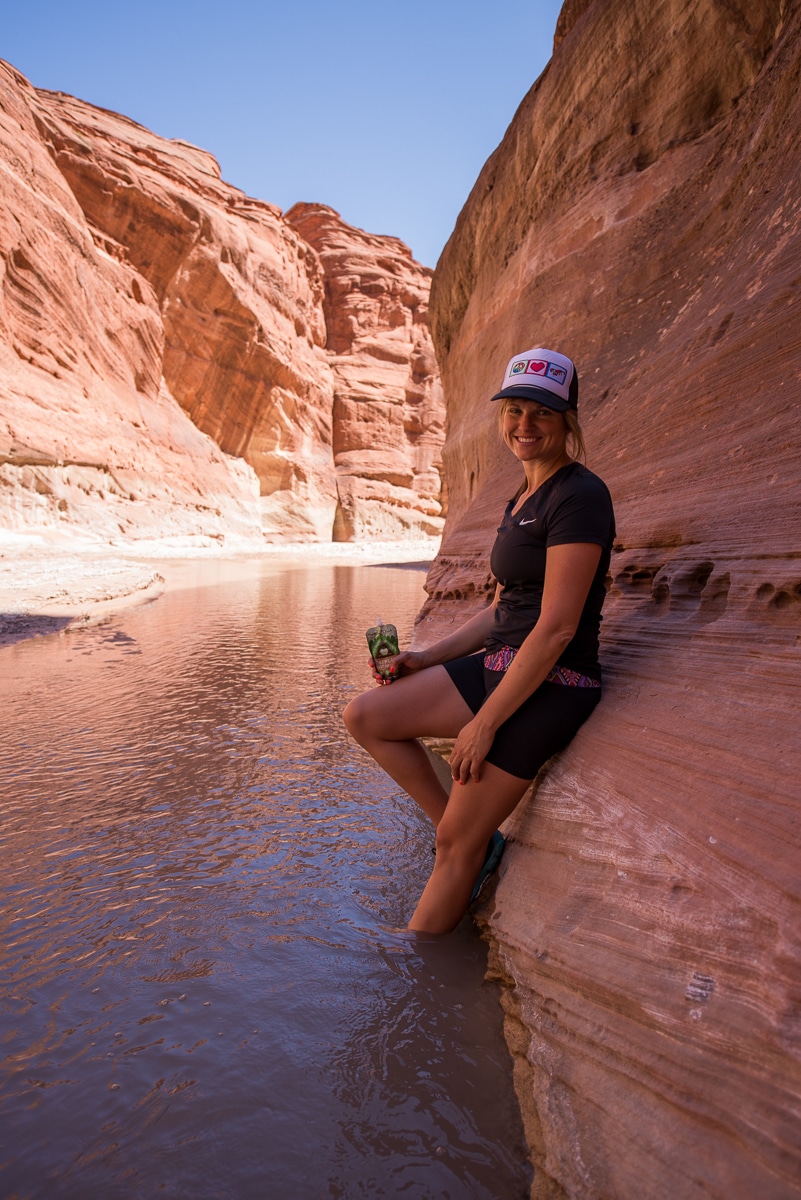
<point>354,716</point>
<point>424,704</point>
<point>362,716</point>
<point>458,840</point>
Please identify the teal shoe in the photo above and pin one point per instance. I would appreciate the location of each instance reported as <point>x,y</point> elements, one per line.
<point>495,849</point>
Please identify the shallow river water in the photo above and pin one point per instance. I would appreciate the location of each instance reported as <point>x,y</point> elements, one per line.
<point>205,989</point>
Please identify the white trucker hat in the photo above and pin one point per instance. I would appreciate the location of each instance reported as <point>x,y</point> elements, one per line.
<point>542,375</point>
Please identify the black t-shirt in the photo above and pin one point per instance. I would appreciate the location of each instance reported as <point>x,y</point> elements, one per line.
<point>572,506</point>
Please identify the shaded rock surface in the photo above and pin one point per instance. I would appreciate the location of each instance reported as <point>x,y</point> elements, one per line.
<point>642,214</point>
<point>148,303</point>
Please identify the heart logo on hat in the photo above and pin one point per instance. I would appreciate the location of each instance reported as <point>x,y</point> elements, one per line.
<point>537,367</point>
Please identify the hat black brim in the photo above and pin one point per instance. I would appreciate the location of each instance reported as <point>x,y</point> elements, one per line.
<point>540,395</point>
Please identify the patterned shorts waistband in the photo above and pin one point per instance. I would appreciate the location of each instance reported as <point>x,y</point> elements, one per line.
<point>570,678</point>
<point>499,660</point>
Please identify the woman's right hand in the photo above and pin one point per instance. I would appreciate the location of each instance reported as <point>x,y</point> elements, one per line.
<point>404,663</point>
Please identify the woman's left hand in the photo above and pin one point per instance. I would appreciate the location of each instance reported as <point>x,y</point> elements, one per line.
<point>471,748</point>
<point>405,663</point>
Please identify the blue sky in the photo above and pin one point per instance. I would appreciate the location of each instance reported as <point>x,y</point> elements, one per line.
<point>387,113</point>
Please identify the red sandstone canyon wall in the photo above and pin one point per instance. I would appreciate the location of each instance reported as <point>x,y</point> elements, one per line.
<point>180,339</point>
<point>389,413</point>
<point>90,436</point>
<point>642,214</point>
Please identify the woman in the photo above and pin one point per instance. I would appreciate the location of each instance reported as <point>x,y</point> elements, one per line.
<point>536,677</point>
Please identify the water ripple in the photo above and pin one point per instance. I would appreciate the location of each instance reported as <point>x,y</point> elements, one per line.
<point>201,993</point>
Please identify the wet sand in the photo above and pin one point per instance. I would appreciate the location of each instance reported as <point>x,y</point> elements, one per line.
<point>49,584</point>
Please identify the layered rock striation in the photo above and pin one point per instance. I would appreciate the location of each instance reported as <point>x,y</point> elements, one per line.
<point>389,413</point>
<point>90,436</point>
<point>169,335</point>
<point>642,214</point>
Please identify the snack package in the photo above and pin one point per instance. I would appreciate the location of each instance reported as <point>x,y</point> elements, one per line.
<point>383,642</point>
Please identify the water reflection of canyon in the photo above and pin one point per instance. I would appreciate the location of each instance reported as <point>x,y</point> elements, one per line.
<point>203,990</point>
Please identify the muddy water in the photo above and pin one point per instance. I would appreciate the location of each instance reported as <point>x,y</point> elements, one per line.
<point>204,989</point>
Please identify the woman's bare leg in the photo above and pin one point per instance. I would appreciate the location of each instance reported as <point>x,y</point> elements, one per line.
<point>387,721</point>
<point>473,812</point>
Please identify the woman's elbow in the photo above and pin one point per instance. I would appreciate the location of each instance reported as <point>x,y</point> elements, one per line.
<point>562,635</point>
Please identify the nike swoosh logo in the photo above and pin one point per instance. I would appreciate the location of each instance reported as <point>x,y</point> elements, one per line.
<point>530,521</point>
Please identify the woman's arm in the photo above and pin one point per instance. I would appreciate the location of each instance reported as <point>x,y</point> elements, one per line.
<point>569,572</point>
<point>465,640</point>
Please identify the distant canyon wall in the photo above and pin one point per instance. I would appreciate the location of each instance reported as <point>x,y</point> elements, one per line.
<point>642,214</point>
<point>172,352</point>
<point>389,411</point>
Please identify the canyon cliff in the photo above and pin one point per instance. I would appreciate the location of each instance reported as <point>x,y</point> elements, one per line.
<point>642,215</point>
<point>389,412</point>
<point>174,355</point>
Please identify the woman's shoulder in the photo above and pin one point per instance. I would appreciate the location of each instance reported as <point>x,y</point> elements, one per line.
<point>580,505</point>
<point>575,478</point>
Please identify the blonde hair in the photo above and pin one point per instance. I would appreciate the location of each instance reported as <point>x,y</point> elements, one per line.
<point>575,438</point>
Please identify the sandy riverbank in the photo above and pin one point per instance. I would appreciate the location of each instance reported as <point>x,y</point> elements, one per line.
<point>48,584</point>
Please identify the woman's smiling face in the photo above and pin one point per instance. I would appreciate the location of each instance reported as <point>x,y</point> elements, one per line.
<point>533,432</point>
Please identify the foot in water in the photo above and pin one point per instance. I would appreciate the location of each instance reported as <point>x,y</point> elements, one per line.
<point>495,849</point>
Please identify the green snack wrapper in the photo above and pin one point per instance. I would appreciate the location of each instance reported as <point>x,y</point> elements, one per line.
<point>383,643</point>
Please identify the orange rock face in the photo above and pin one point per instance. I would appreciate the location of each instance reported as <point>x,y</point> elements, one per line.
<point>389,415</point>
<point>136,278</point>
<point>642,215</point>
<point>91,439</point>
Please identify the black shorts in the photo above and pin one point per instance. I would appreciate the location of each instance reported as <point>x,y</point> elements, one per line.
<point>541,727</point>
